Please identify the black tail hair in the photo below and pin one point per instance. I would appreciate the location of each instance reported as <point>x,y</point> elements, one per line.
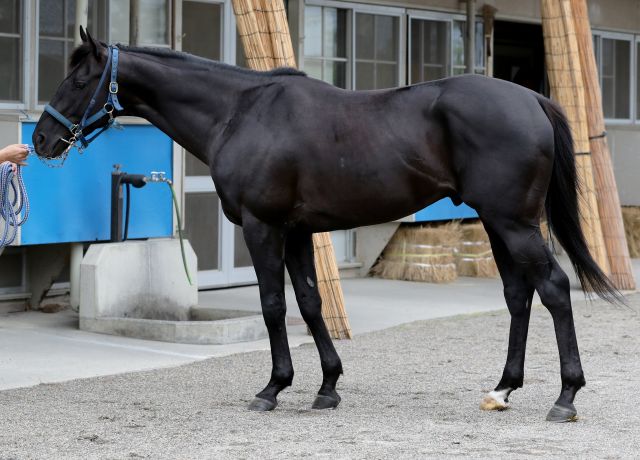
<point>563,212</point>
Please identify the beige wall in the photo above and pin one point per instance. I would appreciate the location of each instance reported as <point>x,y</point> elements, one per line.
<point>620,15</point>
<point>617,15</point>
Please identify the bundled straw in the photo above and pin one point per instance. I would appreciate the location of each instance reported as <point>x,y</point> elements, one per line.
<point>421,253</point>
<point>565,77</point>
<point>605,182</point>
<point>631,216</point>
<point>333,311</point>
<point>264,31</point>
<point>473,255</point>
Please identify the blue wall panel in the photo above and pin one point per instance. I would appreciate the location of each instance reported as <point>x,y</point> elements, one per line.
<point>445,210</point>
<point>72,203</point>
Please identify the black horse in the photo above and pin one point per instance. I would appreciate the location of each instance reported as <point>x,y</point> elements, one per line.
<point>291,155</point>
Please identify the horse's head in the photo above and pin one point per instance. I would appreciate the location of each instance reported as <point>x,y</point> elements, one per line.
<point>51,136</point>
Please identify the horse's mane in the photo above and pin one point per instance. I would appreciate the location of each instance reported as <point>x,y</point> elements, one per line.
<point>82,51</point>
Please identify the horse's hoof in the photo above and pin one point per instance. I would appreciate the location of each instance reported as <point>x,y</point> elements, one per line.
<point>496,400</point>
<point>560,414</point>
<point>326,402</point>
<point>262,405</point>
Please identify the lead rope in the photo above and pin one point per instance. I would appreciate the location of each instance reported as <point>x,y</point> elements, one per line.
<point>14,202</point>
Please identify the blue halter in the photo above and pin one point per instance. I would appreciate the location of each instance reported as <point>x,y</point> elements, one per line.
<point>109,107</point>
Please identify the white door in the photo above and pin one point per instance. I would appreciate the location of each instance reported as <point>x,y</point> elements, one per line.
<point>208,30</point>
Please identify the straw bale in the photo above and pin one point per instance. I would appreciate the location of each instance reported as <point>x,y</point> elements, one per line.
<point>420,253</point>
<point>474,256</point>
<point>631,216</point>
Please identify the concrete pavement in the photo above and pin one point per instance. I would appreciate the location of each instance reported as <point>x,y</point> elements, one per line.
<point>408,392</point>
<point>45,348</point>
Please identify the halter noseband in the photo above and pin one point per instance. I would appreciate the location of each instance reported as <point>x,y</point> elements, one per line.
<point>109,107</point>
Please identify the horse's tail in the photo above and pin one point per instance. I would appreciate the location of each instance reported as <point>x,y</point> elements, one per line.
<point>562,209</point>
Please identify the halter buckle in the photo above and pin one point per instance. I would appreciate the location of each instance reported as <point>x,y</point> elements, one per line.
<point>113,87</point>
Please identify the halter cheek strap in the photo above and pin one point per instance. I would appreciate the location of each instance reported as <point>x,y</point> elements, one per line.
<point>112,104</point>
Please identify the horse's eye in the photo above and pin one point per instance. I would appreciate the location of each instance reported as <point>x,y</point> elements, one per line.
<point>80,84</point>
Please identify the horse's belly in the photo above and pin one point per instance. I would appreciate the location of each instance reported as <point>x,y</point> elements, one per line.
<point>355,205</point>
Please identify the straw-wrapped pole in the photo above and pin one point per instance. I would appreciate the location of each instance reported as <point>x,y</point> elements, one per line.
<point>264,31</point>
<point>605,181</point>
<point>257,56</point>
<point>565,77</point>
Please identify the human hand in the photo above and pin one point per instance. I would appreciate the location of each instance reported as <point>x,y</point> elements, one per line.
<point>15,153</point>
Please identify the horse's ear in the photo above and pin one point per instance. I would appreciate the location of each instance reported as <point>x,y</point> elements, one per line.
<point>95,46</point>
<point>83,35</point>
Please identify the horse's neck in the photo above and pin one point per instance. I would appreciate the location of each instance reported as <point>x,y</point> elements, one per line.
<point>188,101</point>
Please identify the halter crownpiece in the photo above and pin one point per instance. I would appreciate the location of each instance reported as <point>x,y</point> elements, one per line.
<point>112,104</point>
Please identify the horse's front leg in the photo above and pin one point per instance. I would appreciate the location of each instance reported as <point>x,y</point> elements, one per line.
<point>266,246</point>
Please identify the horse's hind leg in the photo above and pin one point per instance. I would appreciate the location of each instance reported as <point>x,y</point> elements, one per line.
<point>518,294</point>
<point>529,251</point>
<point>299,261</point>
<point>266,246</point>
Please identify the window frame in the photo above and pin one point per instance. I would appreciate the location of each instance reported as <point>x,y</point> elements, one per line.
<point>449,19</point>
<point>635,68</point>
<point>632,40</point>
<point>348,44</point>
<point>25,42</point>
<point>352,10</point>
<point>36,64</point>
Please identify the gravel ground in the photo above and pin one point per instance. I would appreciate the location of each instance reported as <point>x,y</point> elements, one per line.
<point>410,391</point>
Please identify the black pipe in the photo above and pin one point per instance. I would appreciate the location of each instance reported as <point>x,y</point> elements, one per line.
<point>126,213</point>
<point>118,178</point>
<point>116,205</point>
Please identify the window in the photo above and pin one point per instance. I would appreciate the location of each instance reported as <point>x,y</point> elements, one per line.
<point>458,44</point>
<point>614,58</point>
<point>376,51</point>
<point>11,71</point>
<point>430,50</point>
<point>355,48</point>
<point>56,32</point>
<point>637,79</point>
<point>437,48</point>
<point>325,44</point>
<point>153,22</point>
<point>57,29</point>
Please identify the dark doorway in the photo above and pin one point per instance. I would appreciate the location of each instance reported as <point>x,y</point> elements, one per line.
<point>519,54</point>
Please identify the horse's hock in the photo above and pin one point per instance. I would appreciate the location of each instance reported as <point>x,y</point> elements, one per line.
<point>139,289</point>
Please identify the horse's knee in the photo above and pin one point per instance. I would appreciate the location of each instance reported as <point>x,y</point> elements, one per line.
<point>274,308</point>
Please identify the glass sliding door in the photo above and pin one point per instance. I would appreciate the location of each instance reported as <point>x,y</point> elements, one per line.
<point>223,258</point>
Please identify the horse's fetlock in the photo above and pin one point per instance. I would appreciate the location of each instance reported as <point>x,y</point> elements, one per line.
<point>282,377</point>
<point>572,378</point>
<point>332,367</point>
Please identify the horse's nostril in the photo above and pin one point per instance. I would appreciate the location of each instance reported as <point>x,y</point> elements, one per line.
<point>40,139</point>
